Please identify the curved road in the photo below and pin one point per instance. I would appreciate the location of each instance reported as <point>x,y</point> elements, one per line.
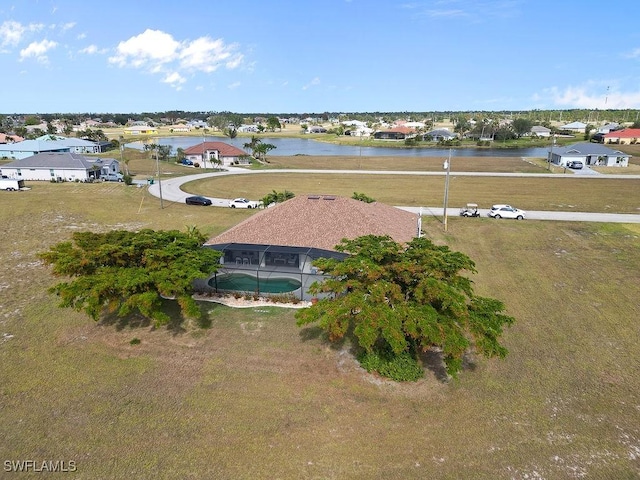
<point>172,192</point>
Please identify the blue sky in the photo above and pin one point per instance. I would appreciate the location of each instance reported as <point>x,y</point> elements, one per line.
<point>275,56</point>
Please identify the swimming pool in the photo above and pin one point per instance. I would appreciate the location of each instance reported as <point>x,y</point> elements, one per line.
<point>250,283</point>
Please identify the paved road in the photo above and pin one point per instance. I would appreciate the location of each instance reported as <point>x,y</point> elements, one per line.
<point>172,192</point>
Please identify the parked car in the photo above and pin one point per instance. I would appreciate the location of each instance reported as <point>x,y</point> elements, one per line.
<point>506,211</point>
<point>113,177</point>
<point>186,161</point>
<point>197,200</point>
<point>576,164</point>
<point>243,203</point>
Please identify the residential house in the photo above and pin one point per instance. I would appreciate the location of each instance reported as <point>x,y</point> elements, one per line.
<point>76,145</point>
<point>440,134</point>
<point>9,138</point>
<point>397,133</point>
<point>140,130</point>
<point>216,154</point>
<point>70,167</point>
<point>627,136</point>
<point>181,127</point>
<point>608,127</point>
<point>577,127</point>
<point>285,239</point>
<point>540,131</point>
<point>28,148</point>
<point>590,154</point>
<point>316,129</point>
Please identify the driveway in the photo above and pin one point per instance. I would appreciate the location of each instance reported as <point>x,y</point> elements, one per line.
<point>172,191</point>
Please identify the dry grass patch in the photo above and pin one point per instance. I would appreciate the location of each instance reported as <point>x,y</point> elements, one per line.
<point>563,193</point>
<point>253,396</point>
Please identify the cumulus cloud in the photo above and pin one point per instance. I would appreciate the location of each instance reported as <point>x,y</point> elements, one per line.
<point>158,52</point>
<point>38,50</point>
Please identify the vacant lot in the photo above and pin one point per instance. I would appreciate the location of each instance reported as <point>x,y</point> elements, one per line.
<point>569,193</point>
<point>254,396</point>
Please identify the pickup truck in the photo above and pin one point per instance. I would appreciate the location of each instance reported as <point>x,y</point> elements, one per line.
<point>113,177</point>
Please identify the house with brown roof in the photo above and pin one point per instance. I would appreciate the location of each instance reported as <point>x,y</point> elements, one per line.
<point>282,241</point>
<point>8,138</point>
<point>397,133</point>
<point>216,154</point>
<point>627,136</point>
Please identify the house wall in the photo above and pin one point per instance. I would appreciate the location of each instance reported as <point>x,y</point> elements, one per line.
<point>622,141</point>
<point>45,174</point>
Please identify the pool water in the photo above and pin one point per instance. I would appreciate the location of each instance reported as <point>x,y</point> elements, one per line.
<point>249,283</point>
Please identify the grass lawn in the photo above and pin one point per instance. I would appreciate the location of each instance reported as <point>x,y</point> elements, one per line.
<point>569,193</point>
<point>254,396</point>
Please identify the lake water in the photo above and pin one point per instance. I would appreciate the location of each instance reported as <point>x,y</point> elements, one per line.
<point>301,146</point>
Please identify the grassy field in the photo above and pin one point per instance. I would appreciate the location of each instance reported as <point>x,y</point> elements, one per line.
<point>560,194</point>
<point>254,396</point>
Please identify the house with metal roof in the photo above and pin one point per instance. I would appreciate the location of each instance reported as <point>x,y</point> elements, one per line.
<point>282,241</point>
<point>28,148</point>
<point>574,127</point>
<point>440,134</point>
<point>76,145</point>
<point>60,167</point>
<point>589,154</point>
<point>540,131</point>
<point>216,154</point>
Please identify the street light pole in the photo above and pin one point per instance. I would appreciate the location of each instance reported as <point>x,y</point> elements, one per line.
<point>447,167</point>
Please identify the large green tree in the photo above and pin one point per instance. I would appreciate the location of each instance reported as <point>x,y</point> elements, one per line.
<point>125,272</point>
<point>401,300</point>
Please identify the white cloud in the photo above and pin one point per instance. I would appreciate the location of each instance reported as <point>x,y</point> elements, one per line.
<point>175,80</point>
<point>585,96</point>
<point>150,48</point>
<point>233,85</point>
<point>206,55</point>
<point>157,52</point>
<point>82,36</point>
<point>11,33</point>
<point>38,50</point>
<point>68,26</point>
<point>315,81</point>
<point>91,50</point>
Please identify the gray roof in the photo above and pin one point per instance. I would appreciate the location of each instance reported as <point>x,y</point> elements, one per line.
<point>34,146</point>
<point>65,160</point>
<point>587,148</point>
<point>70,142</point>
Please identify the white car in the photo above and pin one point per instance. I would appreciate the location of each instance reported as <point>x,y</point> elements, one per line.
<point>506,211</point>
<point>243,203</point>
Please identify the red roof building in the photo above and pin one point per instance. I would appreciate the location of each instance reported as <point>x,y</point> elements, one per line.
<point>626,136</point>
<point>216,154</point>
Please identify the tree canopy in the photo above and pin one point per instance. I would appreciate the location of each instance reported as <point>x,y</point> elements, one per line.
<point>126,272</point>
<point>401,300</point>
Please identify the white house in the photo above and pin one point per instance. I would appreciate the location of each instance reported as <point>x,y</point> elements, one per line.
<point>76,145</point>
<point>69,167</point>
<point>574,127</point>
<point>215,154</point>
<point>590,154</point>
<point>540,131</point>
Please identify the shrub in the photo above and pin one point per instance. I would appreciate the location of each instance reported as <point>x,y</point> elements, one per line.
<point>401,368</point>
<point>128,179</point>
<point>135,341</point>
<point>196,164</point>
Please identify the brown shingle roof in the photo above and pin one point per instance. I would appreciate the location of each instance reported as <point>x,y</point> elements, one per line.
<point>320,221</point>
<point>225,149</point>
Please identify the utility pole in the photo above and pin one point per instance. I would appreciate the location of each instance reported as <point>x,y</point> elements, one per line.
<point>159,180</point>
<point>447,167</point>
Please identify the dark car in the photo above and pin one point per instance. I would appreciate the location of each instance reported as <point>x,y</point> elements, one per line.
<point>197,200</point>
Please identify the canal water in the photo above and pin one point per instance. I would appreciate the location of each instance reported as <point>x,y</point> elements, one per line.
<point>301,146</point>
